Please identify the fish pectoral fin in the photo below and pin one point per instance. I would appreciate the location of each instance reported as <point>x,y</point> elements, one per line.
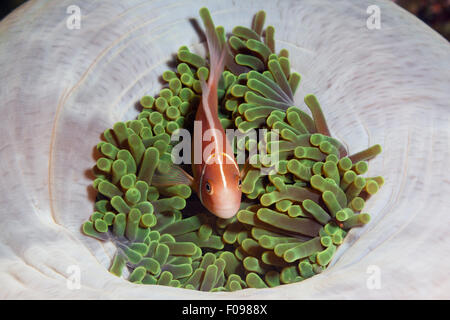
<point>244,169</point>
<point>175,175</point>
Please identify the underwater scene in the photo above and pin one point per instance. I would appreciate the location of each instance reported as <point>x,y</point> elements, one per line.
<point>224,150</point>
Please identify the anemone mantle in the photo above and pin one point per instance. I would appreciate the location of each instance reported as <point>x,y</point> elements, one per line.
<point>62,87</point>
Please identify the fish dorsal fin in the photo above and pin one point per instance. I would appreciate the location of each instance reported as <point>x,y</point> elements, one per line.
<point>213,81</point>
<point>174,175</point>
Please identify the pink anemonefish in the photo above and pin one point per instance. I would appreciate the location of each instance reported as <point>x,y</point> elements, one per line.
<point>216,178</point>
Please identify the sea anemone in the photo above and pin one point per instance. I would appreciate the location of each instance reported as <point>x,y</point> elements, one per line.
<point>292,219</point>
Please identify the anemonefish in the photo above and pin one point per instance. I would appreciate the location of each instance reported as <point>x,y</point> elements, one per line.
<point>216,176</point>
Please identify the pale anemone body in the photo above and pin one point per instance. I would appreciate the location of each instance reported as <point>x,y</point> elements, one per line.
<point>61,88</point>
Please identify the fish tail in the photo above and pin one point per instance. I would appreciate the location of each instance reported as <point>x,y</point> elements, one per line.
<point>214,42</point>
<point>217,53</point>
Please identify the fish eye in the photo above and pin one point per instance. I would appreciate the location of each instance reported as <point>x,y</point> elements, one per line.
<point>208,187</point>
